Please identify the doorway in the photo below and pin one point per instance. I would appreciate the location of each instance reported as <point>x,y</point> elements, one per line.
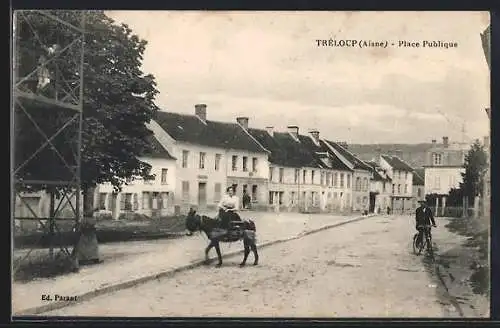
<point>202,194</point>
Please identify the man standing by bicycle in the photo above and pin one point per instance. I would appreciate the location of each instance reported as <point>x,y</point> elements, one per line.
<point>423,218</point>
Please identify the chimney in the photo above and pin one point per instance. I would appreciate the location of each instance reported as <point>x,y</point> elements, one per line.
<point>433,142</point>
<point>200,110</point>
<point>315,135</point>
<point>270,130</point>
<point>294,131</point>
<point>243,121</point>
<point>445,142</point>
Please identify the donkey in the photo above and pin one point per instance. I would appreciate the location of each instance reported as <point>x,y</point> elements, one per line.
<point>211,227</point>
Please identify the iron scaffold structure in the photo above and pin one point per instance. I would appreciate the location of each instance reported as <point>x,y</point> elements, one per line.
<point>47,74</point>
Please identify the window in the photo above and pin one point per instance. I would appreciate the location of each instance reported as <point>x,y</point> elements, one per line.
<point>185,190</point>
<point>399,188</point>
<point>217,192</point>
<point>348,181</point>
<point>336,180</point>
<point>245,164</point>
<point>419,192</point>
<point>365,184</point>
<point>335,195</point>
<point>146,200</point>
<point>322,178</point>
<point>406,175</point>
<point>358,184</point>
<point>297,174</point>
<point>164,200</point>
<point>437,182</point>
<point>328,179</point>
<point>281,174</point>
<point>304,173</point>
<point>156,201</point>
<point>393,188</point>
<point>185,155</point>
<point>341,180</point>
<point>280,197</point>
<point>365,200</point>
<point>271,197</point>
<point>254,193</point>
<point>383,187</point>
<point>312,176</point>
<point>436,159</point>
<point>254,164</point>
<point>217,161</point>
<point>358,200</point>
<point>102,200</point>
<point>164,173</point>
<point>234,162</point>
<point>202,160</point>
<point>126,202</point>
<point>399,174</point>
<point>271,171</point>
<point>406,188</point>
<point>292,198</point>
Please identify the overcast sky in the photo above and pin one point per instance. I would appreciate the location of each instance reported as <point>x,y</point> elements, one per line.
<point>267,66</point>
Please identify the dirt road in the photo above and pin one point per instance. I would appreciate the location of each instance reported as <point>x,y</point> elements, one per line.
<point>362,269</point>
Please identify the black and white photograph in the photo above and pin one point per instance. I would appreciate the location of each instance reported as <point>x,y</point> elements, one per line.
<point>258,164</point>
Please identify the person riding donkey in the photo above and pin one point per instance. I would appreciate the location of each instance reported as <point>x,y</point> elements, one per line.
<point>228,209</point>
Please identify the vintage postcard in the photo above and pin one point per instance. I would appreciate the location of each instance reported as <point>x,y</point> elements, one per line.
<point>251,164</point>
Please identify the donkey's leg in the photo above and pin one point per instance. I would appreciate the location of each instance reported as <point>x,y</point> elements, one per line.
<point>255,253</point>
<point>247,251</point>
<point>207,250</point>
<point>219,255</point>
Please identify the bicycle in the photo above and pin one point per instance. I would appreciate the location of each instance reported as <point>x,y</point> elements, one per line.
<point>426,241</point>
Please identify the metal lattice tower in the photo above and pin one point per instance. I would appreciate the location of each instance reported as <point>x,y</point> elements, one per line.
<point>47,67</point>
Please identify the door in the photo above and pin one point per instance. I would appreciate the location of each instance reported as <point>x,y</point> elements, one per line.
<point>202,194</point>
<point>373,195</point>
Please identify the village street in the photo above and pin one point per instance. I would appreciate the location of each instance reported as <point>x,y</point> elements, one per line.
<point>361,269</point>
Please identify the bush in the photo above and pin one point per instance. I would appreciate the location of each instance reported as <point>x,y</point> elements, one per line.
<point>42,266</point>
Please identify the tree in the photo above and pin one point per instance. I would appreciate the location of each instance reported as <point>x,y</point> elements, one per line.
<point>118,100</point>
<point>476,163</point>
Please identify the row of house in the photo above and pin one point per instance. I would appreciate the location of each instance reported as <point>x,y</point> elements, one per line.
<point>195,159</point>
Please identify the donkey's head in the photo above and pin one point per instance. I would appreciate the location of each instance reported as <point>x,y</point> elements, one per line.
<point>192,222</point>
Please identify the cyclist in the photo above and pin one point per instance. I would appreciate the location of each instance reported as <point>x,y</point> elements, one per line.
<point>423,217</point>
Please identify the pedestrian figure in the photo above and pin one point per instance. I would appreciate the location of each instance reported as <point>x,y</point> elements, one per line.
<point>246,199</point>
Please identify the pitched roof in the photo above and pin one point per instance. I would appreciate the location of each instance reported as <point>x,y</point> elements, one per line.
<point>285,150</point>
<point>376,172</point>
<point>322,152</point>
<point>419,177</point>
<point>190,128</point>
<point>156,150</point>
<point>397,163</point>
<point>358,164</point>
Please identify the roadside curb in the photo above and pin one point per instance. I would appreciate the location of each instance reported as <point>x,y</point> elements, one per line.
<point>170,272</point>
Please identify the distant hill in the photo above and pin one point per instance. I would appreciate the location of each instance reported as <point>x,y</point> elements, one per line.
<point>413,154</point>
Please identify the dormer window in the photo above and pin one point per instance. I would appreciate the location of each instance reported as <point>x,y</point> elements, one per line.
<point>436,159</point>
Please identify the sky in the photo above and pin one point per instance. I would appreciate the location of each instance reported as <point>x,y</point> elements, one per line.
<point>267,66</point>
